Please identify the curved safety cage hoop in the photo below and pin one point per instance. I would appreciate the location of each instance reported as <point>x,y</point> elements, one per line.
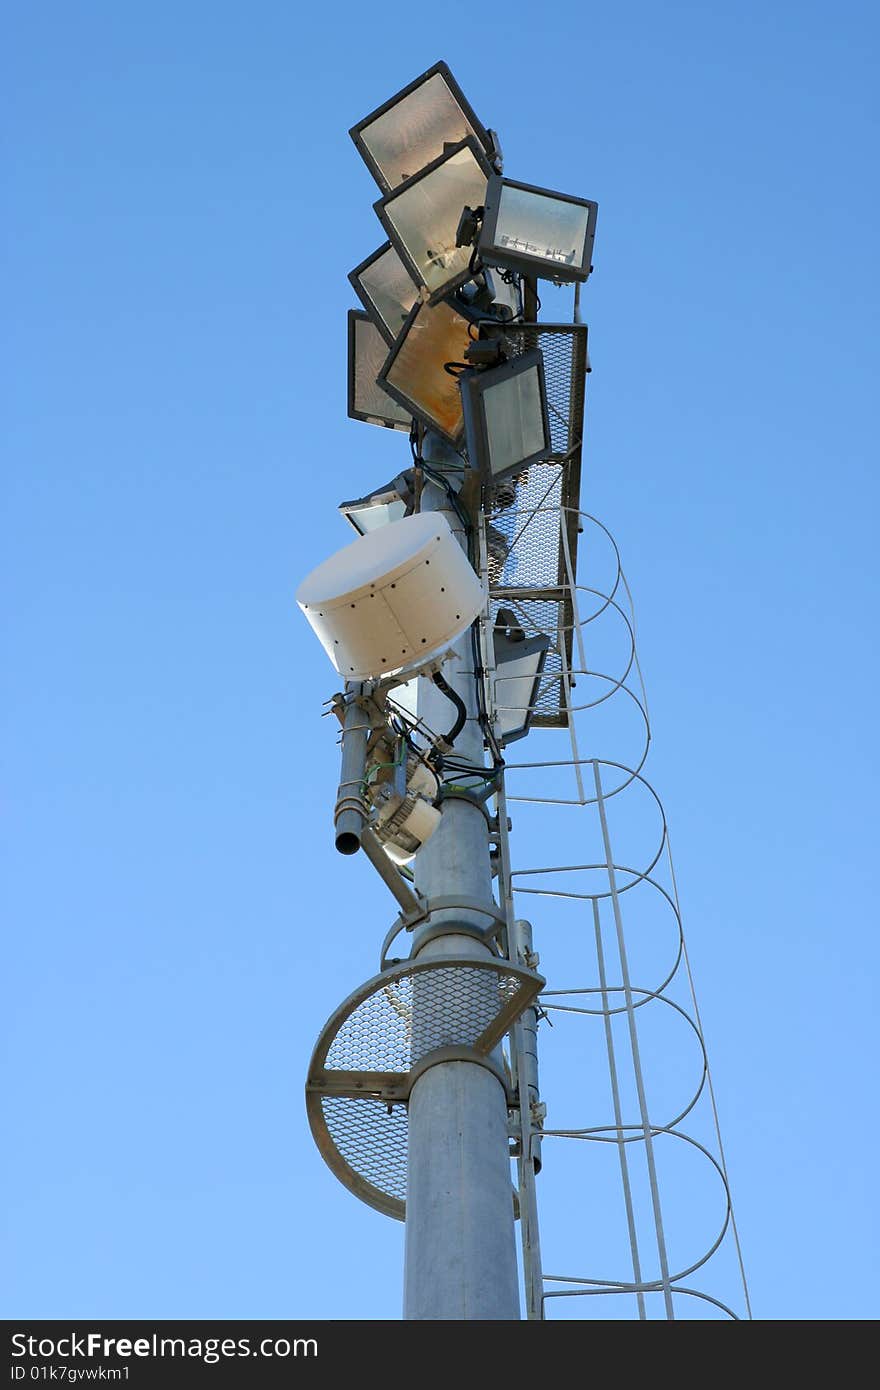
<point>381,1038</point>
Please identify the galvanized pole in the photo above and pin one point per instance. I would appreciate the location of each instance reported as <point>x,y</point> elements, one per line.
<point>460,1246</point>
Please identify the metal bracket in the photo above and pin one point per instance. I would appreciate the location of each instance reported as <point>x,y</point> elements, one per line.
<point>447,901</point>
<point>408,921</point>
<point>485,935</point>
<point>464,794</point>
<point>414,909</point>
<point>394,1088</point>
<point>459,1054</point>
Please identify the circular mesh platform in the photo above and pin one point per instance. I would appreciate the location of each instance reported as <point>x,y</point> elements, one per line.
<point>361,1069</point>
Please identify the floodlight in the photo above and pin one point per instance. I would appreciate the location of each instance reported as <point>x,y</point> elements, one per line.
<point>394,600</point>
<point>537,231</point>
<point>404,135</point>
<point>367,401</point>
<point>507,426</point>
<point>386,289</point>
<point>415,372</point>
<point>519,662</point>
<point>384,504</point>
<point>421,217</point>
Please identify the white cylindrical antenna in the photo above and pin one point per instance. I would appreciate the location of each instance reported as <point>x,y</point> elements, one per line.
<point>394,599</point>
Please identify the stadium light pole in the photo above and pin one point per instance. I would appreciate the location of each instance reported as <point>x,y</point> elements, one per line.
<point>402,607</point>
<point>460,1259</point>
<point>436,604</point>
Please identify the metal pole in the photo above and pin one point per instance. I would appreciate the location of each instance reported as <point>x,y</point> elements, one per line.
<point>460,1247</point>
<point>410,905</point>
<point>350,812</point>
<point>525,1039</point>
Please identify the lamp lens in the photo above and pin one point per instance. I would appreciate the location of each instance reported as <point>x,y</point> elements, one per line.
<point>388,285</point>
<point>370,352</point>
<point>514,420</point>
<point>406,138</point>
<point>435,336</point>
<point>516,692</point>
<point>371,518</point>
<point>535,224</point>
<point>425,216</point>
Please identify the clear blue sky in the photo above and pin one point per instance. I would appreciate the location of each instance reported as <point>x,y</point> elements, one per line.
<point>181,206</point>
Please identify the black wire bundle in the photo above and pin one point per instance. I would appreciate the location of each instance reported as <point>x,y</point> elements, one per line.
<point>460,707</point>
<point>479,670</point>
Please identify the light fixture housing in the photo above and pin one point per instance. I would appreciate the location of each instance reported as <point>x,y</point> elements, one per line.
<point>410,130</point>
<point>507,425</point>
<point>385,504</point>
<point>415,370</point>
<point>386,289</point>
<point>519,663</point>
<point>493,294</point>
<point>421,217</point>
<point>536,231</point>
<point>367,401</point>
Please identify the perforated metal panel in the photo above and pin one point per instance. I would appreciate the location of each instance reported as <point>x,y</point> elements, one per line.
<point>564,346</point>
<point>529,514</point>
<point>370,1137</point>
<point>359,1078</point>
<point>530,527</point>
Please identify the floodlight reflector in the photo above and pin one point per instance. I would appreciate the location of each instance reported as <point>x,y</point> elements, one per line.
<point>519,662</point>
<point>403,135</point>
<point>415,374</point>
<point>378,508</point>
<point>421,217</point>
<point>507,426</point>
<point>386,289</point>
<point>394,599</point>
<point>536,231</point>
<point>367,400</point>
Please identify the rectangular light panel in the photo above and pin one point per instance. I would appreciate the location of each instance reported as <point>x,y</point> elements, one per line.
<point>518,667</point>
<point>367,401</point>
<point>537,231</point>
<point>505,411</point>
<point>415,371</point>
<point>514,421</point>
<point>408,132</point>
<point>422,216</point>
<point>386,289</point>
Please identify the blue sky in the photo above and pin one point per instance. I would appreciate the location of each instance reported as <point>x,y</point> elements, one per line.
<point>182,206</point>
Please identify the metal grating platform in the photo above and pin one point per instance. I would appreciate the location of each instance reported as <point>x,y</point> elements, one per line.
<point>362,1067</point>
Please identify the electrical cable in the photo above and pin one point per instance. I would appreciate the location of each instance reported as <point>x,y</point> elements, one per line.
<point>479,670</point>
<point>375,768</point>
<point>461,708</point>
